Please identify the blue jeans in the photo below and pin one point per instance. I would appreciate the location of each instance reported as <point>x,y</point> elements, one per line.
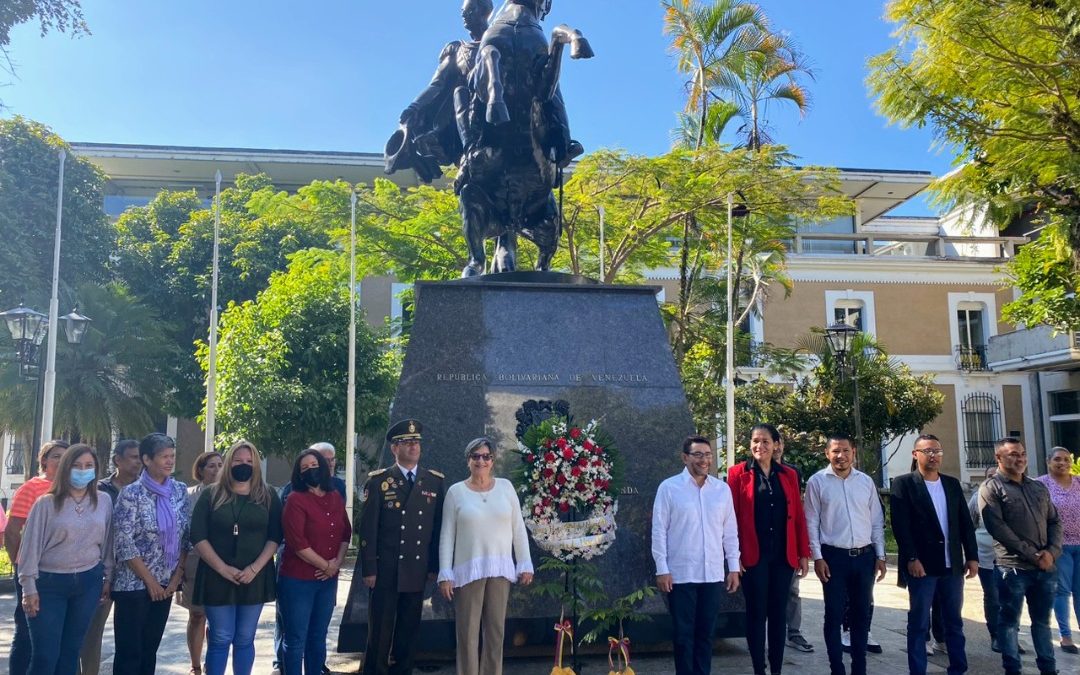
<point>231,625</point>
<point>850,585</point>
<point>1068,585</point>
<point>988,579</point>
<point>66,606</point>
<point>694,608</point>
<point>948,591</point>
<point>305,607</point>
<point>1038,588</point>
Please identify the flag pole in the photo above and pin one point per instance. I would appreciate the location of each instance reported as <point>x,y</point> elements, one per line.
<point>211,373</point>
<point>49,397</point>
<point>350,404</point>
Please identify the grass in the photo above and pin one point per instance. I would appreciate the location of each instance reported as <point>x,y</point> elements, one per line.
<point>5,565</point>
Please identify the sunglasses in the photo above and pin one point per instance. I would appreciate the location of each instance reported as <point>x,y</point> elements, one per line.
<point>480,457</point>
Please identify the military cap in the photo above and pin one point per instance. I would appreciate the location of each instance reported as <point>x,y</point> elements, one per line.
<point>405,430</point>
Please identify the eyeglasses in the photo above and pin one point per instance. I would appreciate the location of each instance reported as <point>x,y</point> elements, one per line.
<point>699,454</point>
<point>480,457</point>
<point>932,453</point>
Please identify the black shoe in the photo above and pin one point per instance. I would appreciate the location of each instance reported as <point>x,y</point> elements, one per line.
<point>994,646</point>
<point>872,645</point>
<point>1070,649</point>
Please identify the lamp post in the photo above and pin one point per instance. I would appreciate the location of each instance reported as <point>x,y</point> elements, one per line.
<point>733,211</point>
<point>841,339</point>
<point>28,329</point>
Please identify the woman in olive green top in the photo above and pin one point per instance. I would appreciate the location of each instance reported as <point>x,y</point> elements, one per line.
<point>235,527</point>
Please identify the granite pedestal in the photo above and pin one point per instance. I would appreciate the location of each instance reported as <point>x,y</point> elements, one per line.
<point>481,347</point>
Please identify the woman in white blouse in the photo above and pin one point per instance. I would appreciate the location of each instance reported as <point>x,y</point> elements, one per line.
<point>483,548</point>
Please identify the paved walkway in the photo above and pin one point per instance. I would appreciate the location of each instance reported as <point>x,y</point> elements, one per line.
<point>731,656</point>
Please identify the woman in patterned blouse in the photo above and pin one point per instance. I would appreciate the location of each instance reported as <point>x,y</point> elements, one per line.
<point>150,524</point>
<point>1065,494</point>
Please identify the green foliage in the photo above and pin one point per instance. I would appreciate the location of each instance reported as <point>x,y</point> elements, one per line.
<point>29,175</point>
<point>283,361</point>
<point>1076,467</point>
<point>892,400</point>
<point>112,383</point>
<point>620,611</point>
<point>999,83</point>
<point>64,16</point>
<point>164,251</point>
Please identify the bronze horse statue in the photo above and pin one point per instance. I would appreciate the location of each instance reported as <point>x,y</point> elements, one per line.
<point>513,134</point>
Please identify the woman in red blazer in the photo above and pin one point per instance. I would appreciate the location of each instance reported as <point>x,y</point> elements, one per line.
<point>773,543</point>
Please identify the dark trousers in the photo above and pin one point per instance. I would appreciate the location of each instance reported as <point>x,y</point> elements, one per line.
<point>19,659</point>
<point>988,579</point>
<point>946,593</point>
<point>66,606</point>
<point>1038,588</point>
<point>693,610</point>
<point>851,585</point>
<point>138,623</point>
<point>766,587</point>
<point>393,622</point>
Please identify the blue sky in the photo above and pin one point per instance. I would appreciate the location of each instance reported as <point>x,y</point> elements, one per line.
<point>333,75</point>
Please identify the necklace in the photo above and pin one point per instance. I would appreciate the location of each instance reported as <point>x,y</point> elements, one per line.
<point>483,492</point>
<point>236,516</point>
<point>79,508</point>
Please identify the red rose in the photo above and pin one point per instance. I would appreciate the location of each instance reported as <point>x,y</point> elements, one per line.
<point>575,433</point>
<point>546,501</point>
<point>560,479</point>
<point>529,459</point>
<point>548,472</point>
<point>597,450</point>
<point>564,507</point>
<point>568,453</point>
<point>555,490</point>
<point>598,462</point>
<point>588,445</point>
<point>549,457</point>
<point>562,443</point>
<point>580,487</point>
<point>583,462</point>
<point>576,471</point>
<point>592,500</point>
<point>599,482</point>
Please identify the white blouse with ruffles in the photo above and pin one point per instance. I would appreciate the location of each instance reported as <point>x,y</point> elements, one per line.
<point>480,531</point>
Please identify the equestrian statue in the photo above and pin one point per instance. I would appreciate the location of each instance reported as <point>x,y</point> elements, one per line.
<point>494,109</point>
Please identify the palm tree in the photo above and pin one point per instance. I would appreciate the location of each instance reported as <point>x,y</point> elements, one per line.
<point>710,42</point>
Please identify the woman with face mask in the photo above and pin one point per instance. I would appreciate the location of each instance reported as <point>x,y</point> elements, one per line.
<point>205,472</point>
<point>235,528</point>
<point>317,534</point>
<point>65,562</point>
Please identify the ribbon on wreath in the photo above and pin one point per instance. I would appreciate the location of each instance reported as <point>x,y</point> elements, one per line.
<point>621,663</point>
<point>565,631</point>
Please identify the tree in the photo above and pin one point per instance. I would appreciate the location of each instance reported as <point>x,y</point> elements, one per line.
<point>29,178</point>
<point>112,383</point>
<point>64,16</point>
<point>893,402</point>
<point>999,83</point>
<point>164,250</point>
<point>283,361</point>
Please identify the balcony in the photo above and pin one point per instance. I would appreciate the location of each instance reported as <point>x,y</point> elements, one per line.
<point>1035,348</point>
<point>897,245</point>
<point>971,358</point>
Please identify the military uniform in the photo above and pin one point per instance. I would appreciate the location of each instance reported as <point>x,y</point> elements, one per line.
<point>399,546</point>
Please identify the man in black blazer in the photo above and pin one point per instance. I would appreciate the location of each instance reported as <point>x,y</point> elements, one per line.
<point>936,539</point>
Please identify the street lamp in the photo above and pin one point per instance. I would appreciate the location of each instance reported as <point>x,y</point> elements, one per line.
<point>841,340</point>
<point>28,329</point>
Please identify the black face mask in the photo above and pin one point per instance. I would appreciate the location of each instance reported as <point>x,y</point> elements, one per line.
<point>311,476</point>
<point>241,473</point>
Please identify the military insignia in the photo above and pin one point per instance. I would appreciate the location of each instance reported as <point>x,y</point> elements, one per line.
<point>376,472</point>
<point>428,493</point>
<point>397,505</point>
<point>390,495</point>
<point>412,427</point>
<point>440,474</point>
<point>385,485</point>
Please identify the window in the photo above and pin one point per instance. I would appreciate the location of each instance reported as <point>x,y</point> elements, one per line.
<point>15,455</point>
<point>850,312</point>
<point>1065,419</point>
<point>856,308</point>
<point>982,427</point>
<point>971,325</point>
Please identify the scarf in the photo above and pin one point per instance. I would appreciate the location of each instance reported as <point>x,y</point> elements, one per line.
<point>168,532</point>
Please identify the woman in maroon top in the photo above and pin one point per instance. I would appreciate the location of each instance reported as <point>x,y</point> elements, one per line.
<point>317,533</point>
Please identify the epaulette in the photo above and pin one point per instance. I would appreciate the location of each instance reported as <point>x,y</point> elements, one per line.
<point>449,50</point>
<point>440,474</point>
<point>376,472</point>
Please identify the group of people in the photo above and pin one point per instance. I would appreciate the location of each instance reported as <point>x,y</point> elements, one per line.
<point>130,542</point>
<point>757,532</point>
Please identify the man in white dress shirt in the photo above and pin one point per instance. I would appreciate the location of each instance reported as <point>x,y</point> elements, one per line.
<point>694,534</point>
<point>846,525</point>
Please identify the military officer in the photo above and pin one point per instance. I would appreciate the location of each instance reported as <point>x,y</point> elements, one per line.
<point>399,549</point>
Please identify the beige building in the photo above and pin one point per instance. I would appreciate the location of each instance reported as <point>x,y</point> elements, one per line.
<point>928,289</point>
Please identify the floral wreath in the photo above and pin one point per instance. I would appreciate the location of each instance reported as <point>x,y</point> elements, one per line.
<point>569,487</point>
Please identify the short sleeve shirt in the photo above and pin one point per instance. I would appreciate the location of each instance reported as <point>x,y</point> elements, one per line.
<point>26,495</point>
